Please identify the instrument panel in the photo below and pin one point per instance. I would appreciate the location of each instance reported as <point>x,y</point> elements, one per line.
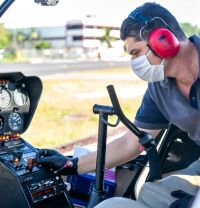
<point>33,186</point>
<point>18,154</point>
<point>14,105</point>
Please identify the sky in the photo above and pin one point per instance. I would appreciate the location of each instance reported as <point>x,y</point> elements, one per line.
<point>26,13</point>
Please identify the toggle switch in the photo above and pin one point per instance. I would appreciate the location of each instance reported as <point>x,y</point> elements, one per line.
<point>30,164</point>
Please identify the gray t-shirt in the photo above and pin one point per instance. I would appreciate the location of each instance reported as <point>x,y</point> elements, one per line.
<point>163,103</point>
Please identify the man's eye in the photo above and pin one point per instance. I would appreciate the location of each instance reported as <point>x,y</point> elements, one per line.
<point>135,53</point>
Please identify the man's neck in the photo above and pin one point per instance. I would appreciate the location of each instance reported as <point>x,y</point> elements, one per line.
<point>185,66</point>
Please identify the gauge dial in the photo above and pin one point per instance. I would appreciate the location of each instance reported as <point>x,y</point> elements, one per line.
<point>15,121</point>
<point>5,98</point>
<point>20,97</point>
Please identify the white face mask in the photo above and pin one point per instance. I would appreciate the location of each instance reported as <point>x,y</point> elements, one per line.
<point>146,71</point>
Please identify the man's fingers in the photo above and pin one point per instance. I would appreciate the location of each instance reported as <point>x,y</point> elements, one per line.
<point>45,152</point>
<point>44,160</point>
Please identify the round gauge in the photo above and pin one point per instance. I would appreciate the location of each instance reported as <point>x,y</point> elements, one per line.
<point>5,98</point>
<point>20,97</point>
<point>15,121</point>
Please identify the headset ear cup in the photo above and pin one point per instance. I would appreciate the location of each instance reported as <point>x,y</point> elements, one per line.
<point>164,43</point>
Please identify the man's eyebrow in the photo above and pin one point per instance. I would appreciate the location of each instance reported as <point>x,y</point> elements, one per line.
<point>131,52</point>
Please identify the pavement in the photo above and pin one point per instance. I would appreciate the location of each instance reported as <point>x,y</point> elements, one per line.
<point>65,66</point>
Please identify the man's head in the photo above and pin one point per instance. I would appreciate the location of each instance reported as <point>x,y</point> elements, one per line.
<point>137,30</point>
<point>131,28</point>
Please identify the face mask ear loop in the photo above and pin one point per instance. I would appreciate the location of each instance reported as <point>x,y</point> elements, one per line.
<point>148,52</point>
<point>162,62</point>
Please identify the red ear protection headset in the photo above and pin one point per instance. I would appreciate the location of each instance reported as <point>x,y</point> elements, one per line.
<point>161,40</point>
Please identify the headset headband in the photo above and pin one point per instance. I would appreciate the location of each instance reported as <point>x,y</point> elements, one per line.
<point>136,15</point>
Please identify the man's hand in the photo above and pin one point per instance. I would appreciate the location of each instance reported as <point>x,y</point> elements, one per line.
<point>56,161</point>
<point>185,200</point>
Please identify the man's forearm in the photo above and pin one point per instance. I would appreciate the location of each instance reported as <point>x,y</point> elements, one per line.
<point>117,152</point>
<point>125,149</point>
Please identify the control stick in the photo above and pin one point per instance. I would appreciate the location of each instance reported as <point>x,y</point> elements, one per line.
<point>145,139</point>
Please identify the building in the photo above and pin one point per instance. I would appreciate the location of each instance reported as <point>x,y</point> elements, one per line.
<point>78,38</point>
<point>87,36</point>
<point>55,35</point>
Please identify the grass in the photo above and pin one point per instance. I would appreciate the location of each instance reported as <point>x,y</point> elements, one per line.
<point>65,112</point>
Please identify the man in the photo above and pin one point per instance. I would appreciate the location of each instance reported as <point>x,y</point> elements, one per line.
<point>173,75</point>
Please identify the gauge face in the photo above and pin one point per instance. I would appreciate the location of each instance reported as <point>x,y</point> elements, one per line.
<point>15,122</point>
<point>20,97</point>
<point>5,98</point>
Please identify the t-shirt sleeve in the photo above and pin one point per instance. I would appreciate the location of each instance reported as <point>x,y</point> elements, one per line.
<point>149,116</point>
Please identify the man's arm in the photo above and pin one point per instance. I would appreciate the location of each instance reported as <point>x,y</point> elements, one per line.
<point>119,151</point>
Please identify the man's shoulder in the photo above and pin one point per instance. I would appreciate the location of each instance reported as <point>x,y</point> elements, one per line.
<point>159,85</point>
<point>159,89</point>
<point>196,40</point>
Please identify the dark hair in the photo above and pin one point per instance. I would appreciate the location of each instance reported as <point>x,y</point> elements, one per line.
<point>131,28</point>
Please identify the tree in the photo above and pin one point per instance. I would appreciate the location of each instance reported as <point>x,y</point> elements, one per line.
<point>33,36</point>
<point>20,38</point>
<point>42,45</point>
<point>107,38</point>
<point>4,37</point>
<point>190,29</point>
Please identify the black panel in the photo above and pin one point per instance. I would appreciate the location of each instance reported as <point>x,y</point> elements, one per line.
<point>23,183</point>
